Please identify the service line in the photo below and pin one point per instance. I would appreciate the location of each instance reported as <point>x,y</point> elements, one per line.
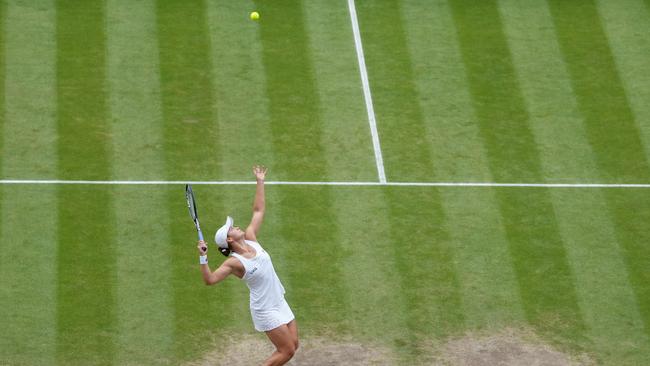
<point>367,184</point>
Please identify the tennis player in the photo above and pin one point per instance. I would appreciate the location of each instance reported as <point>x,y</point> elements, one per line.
<point>250,262</point>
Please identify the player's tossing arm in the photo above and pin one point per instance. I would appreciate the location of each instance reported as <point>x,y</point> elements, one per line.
<point>258,205</point>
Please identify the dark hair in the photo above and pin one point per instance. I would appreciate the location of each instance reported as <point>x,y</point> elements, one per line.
<point>225,251</point>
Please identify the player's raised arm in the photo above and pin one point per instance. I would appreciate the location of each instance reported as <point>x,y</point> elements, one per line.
<point>258,204</point>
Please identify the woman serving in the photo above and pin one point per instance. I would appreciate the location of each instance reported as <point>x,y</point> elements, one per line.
<point>250,262</point>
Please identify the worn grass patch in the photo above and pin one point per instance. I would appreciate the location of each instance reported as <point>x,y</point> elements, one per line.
<point>508,347</point>
<point>253,349</point>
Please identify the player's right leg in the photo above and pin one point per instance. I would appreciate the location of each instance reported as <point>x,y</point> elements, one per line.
<point>285,346</point>
<point>293,329</point>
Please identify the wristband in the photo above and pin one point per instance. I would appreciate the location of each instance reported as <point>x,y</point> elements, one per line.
<point>203,259</point>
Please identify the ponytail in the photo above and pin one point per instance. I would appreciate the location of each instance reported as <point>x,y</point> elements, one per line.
<point>225,251</point>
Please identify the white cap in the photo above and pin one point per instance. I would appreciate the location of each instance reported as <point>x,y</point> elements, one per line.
<point>222,233</point>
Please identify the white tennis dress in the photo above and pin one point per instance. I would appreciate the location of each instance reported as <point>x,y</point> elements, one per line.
<point>269,309</point>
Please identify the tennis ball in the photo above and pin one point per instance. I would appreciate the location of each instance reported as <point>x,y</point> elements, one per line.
<point>255,15</point>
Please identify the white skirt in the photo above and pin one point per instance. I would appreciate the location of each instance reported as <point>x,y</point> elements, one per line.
<point>269,319</point>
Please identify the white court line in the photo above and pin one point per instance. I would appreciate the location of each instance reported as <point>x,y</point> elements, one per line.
<point>366,92</point>
<point>279,183</point>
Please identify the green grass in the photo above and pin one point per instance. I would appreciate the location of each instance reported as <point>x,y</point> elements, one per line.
<point>537,251</point>
<point>86,247</point>
<point>506,91</point>
<point>604,103</point>
<point>295,122</point>
<point>31,89</point>
<point>4,292</point>
<point>553,114</point>
<point>424,259</point>
<point>602,100</point>
<point>2,73</point>
<point>240,93</point>
<point>443,95</point>
<point>313,253</point>
<point>28,88</point>
<point>401,130</point>
<point>633,71</point>
<point>495,92</point>
<point>187,90</point>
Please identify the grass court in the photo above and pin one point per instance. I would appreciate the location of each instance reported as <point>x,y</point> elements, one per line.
<point>505,91</point>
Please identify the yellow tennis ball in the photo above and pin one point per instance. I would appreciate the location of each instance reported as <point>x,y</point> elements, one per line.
<point>255,15</point>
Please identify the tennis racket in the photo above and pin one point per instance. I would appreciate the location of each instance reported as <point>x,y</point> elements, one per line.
<point>191,205</point>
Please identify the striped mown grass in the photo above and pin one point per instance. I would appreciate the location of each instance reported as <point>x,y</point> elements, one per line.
<point>240,89</point>
<point>505,91</point>
<point>424,260</point>
<point>86,245</point>
<point>296,125</point>
<point>367,259</point>
<point>442,92</point>
<point>599,91</point>
<point>191,129</point>
<point>297,129</point>
<point>545,281</point>
<point>312,255</point>
<point>495,92</point>
<point>5,294</point>
<point>604,104</point>
<point>143,293</point>
<point>602,283</point>
<point>484,268</point>
<point>82,124</point>
<point>3,12</point>
<point>198,311</point>
<point>30,86</point>
<point>553,114</point>
<point>546,84</point>
<point>632,69</point>
<point>630,49</point>
<point>630,214</point>
<point>29,281</point>
<point>345,135</point>
<point>134,87</point>
<point>392,80</point>
<point>191,136</point>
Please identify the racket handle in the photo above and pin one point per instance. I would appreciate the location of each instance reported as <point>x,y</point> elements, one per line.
<point>201,238</point>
